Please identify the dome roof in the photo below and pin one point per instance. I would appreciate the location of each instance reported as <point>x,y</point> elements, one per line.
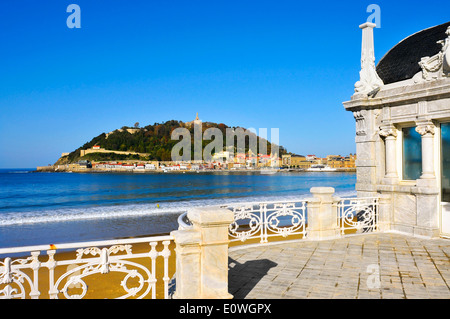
<point>402,61</point>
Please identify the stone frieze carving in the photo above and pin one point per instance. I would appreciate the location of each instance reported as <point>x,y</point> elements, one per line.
<point>360,123</point>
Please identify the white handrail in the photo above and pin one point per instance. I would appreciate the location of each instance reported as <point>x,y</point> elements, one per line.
<point>84,244</point>
<point>182,225</point>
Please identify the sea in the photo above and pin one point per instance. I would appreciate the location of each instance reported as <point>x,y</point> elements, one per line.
<point>51,208</point>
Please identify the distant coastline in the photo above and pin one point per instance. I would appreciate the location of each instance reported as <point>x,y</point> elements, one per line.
<point>52,169</point>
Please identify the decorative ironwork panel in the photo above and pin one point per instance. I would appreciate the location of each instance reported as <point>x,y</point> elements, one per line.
<point>67,277</point>
<point>264,220</point>
<point>358,215</point>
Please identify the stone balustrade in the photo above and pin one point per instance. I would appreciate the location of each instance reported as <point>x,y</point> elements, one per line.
<point>202,247</point>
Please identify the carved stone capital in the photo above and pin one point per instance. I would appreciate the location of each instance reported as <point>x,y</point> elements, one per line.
<point>425,128</point>
<point>388,131</point>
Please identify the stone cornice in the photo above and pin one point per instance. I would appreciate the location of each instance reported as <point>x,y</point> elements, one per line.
<point>398,95</point>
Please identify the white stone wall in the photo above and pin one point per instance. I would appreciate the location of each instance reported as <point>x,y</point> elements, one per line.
<point>407,206</point>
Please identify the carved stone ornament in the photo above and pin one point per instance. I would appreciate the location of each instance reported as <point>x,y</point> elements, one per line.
<point>388,131</point>
<point>425,128</point>
<point>437,66</point>
<point>360,123</point>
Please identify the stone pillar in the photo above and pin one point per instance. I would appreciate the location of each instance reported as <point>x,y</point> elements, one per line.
<point>389,132</point>
<point>322,214</point>
<point>427,191</point>
<point>211,270</point>
<point>368,143</point>
<point>188,264</point>
<point>426,129</point>
<point>385,215</point>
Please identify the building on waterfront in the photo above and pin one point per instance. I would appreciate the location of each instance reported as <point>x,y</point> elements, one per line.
<point>81,164</point>
<point>296,161</point>
<point>305,162</point>
<point>350,161</point>
<point>223,156</point>
<point>402,113</point>
<point>338,161</point>
<point>335,161</point>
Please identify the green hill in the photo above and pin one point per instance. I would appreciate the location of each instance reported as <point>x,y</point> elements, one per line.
<point>154,140</point>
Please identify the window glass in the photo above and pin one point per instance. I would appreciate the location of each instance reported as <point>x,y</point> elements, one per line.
<point>412,154</point>
<point>445,160</point>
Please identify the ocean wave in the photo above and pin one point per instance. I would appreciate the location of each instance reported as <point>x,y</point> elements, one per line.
<point>136,210</point>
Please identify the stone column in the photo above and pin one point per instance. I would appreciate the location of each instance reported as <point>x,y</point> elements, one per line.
<point>427,191</point>
<point>389,132</point>
<point>212,223</point>
<point>426,129</point>
<point>322,214</point>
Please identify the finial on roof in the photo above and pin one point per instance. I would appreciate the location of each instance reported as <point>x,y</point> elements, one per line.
<point>369,79</point>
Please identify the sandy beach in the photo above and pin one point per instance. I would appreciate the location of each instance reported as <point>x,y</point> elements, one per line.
<point>101,286</point>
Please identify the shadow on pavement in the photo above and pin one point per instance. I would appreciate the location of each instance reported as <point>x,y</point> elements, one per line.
<point>242,278</point>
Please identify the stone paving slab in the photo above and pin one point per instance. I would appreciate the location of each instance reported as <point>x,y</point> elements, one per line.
<point>374,266</point>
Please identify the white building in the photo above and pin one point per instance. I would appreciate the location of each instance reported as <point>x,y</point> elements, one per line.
<point>402,112</point>
<point>223,156</point>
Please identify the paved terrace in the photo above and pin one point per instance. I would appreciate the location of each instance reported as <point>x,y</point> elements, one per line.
<point>381,265</point>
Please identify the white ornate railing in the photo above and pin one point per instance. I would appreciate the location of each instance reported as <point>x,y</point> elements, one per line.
<point>264,220</point>
<point>358,215</point>
<point>135,273</point>
<point>270,219</point>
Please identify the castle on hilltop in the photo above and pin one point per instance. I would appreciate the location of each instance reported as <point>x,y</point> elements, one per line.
<point>194,122</point>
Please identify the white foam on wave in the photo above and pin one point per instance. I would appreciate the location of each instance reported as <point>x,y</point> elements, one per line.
<point>136,210</point>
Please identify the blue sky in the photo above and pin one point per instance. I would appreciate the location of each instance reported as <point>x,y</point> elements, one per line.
<point>261,64</point>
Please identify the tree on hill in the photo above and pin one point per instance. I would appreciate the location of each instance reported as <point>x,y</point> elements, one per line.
<point>154,140</point>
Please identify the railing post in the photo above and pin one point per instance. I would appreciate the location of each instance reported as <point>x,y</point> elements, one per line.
<point>202,271</point>
<point>322,214</point>
<point>188,256</point>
